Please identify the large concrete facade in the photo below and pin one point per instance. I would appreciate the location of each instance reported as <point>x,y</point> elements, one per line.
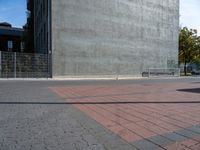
<point>113,37</point>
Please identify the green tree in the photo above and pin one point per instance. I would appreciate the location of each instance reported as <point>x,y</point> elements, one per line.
<point>197,56</point>
<point>189,44</point>
<point>28,36</point>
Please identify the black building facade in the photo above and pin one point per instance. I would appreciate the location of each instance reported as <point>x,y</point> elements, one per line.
<point>11,38</point>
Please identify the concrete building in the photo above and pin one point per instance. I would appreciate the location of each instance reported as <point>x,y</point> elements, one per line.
<point>107,37</point>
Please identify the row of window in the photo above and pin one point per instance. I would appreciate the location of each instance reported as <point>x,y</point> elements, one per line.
<point>10,46</point>
<point>41,25</point>
<point>41,12</point>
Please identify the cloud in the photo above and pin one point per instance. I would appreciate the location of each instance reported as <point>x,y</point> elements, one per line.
<point>6,9</point>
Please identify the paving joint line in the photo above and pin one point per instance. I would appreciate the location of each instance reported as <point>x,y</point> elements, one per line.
<point>143,138</point>
<point>145,128</point>
<point>167,121</point>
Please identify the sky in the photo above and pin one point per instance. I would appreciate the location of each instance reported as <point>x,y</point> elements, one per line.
<point>14,12</point>
<point>190,14</point>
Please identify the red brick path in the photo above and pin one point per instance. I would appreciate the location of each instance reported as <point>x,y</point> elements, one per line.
<point>137,121</point>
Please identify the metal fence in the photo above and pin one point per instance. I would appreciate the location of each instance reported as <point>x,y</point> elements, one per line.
<point>161,72</point>
<point>24,65</point>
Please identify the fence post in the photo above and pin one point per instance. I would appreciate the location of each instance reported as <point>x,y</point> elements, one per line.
<point>149,72</point>
<point>47,74</point>
<point>49,65</point>
<point>179,72</point>
<point>15,66</point>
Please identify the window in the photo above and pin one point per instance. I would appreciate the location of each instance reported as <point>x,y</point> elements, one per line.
<point>22,46</point>
<point>10,45</point>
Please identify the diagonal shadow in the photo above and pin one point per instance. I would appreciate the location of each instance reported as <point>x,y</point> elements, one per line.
<point>93,103</point>
<point>194,90</point>
<point>195,82</point>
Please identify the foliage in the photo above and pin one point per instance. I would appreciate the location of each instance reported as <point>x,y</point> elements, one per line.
<point>189,47</point>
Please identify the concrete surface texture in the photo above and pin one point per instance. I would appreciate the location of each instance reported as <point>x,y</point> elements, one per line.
<point>109,37</point>
<point>37,115</point>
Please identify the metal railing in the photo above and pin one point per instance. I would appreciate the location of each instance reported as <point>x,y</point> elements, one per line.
<point>24,65</point>
<point>158,72</point>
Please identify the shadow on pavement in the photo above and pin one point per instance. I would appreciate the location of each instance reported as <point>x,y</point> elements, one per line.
<point>194,90</point>
<point>195,82</point>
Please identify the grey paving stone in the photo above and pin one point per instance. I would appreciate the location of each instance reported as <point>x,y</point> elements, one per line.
<point>48,126</point>
<point>160,140</point>
<point>174,137</point>
<point>195,129</point>
<point>198,126</point>
<point>60,127</point>
<point>145,145</point>
<point>187,133</point>
<point>101,134</point>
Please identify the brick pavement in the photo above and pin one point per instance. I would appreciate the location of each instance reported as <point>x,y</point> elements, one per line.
<point>167,125</point>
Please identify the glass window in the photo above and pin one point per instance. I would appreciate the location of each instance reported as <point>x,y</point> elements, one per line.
<point>10,45</point>
<point>22,46</point>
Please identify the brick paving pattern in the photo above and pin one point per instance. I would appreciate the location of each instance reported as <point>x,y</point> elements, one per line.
<point>159,125</point>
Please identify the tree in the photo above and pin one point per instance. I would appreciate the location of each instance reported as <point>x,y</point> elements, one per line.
<point>28,36</point>
<point>197,58</point>
<point>189,47</point>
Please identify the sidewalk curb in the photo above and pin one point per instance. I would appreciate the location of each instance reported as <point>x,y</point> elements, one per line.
<point>93,78</point>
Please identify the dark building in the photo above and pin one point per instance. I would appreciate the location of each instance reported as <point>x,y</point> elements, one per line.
<point>11,38</point>
<point>41,25</point>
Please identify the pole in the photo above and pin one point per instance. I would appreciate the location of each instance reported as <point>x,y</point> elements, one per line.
<point>15,66</point>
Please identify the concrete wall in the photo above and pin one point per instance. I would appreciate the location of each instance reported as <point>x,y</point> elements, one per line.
<point>109,37</point>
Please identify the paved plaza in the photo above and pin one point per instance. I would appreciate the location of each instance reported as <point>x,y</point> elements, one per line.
<point>142,114</point>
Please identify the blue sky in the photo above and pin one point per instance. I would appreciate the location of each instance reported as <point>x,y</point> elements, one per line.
<point>14,11</point>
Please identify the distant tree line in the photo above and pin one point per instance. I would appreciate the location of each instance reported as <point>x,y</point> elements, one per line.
<point>189,47</point>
